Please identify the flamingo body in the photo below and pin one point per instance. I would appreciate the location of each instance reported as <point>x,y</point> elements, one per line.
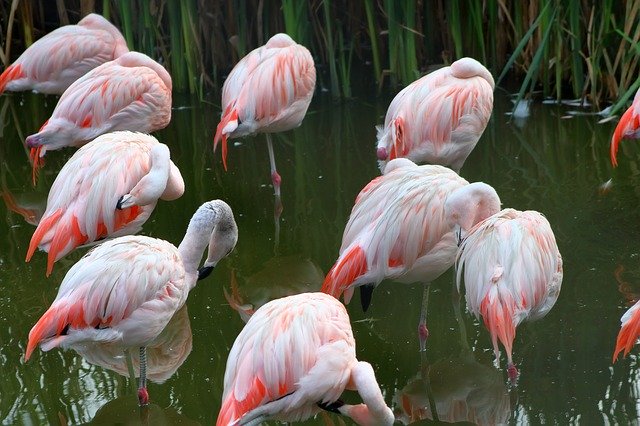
<point>293,354</point>
<point>439,118</point>
<point>125,169</point>
<point>512,272</point>
<point>268,91</point>
<point>127,289</point>
<point>132,92</point>
<point>54,62</point>
<point>400,227</point>
<point>628,127</point>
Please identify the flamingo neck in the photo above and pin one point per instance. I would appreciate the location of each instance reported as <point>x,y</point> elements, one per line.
<point>374,411</point>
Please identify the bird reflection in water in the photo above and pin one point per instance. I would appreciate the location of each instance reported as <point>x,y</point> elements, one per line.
<point>164,355</point>
<point>280,276</point>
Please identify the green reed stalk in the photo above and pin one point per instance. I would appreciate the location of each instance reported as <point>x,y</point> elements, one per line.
<point>106,9</point>
<point>373,39</point>
<point>576,45</point>
<point>127,10</point>
<point>188,14</point>
<point>295,19</point>
<point>410,64</point>
<point>476,17</point>
<point>147,30</point>
<point>455,26</point>
<point>394,44</point>
<point>178,69</point>
<point>335,88</point>
<point>345,65</point>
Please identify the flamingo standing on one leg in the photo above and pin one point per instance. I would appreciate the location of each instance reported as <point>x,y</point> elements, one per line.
<point>54,62</point>
<point>512,272</point>
<point>108,188</point>
<point>629,332</point>
<point>127,289</point>
<point>268,91</point>
<point>402,228</point>
<point>439,118</point>
<point>628,127</point>
<point>132,92</point>
<point>295,356</point>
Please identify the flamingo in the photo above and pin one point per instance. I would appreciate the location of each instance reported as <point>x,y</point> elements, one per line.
<point>54,62</point>
<point>126,290</point>
<point>439,118</point>
<point>268,91</point>
<point>132,92</point>
<point>295,356</point>
<point>108,188</point>
<point>512,272</point>
<point>402,228</point>
<point>628,127</point>
<point>629,332</point>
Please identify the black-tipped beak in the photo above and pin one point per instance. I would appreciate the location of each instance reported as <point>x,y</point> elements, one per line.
<point>204,272</point>
<point>332,407</point>
<point>459,236</point>
<point>119,203</point>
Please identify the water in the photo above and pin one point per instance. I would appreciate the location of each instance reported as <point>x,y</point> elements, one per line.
<point>546,162</point>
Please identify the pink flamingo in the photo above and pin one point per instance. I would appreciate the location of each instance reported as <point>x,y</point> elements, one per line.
<point>132,92</point>
<point>629,332</point>
<point>439,118</point>
<point>61,57</point>
<point>295,356</point>
<point>512,272</point>
<point>108,188</point>
<point>402,228</point>
<point>126,290</point>
<point>628,127</point>
<point>268,91</point>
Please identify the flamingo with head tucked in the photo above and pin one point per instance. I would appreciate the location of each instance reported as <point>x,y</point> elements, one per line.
<point>132,92</point>
<point>54,62</point>
<point>127,289</point>
<point>403,227</point>
<point>439,118</point>
<point>268,91</point>
<point>108,188</point>
<point>295,356</point>
<point>512,272</point>
<point>628,127</point>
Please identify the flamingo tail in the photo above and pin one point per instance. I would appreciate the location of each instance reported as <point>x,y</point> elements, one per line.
<point>53,323</point>
<point>628,333</point>
<point>626,124</point>
<point>13,72</point>
<point>232,410</point>
<point>347,269</point>
<point>497,310</point>
<point>228,124</point>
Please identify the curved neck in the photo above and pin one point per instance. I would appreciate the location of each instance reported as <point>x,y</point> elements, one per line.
<point>203,231</point>
<point>374,410</point>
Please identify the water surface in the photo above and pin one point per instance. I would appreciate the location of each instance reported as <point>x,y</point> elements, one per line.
<point>548,162</point>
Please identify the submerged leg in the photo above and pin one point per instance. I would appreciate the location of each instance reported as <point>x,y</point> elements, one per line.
<point>423,333</point>
<point>132,372</point>
<point>143,394</point>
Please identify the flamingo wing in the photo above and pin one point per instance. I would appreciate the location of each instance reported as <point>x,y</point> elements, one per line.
<point>124,290</point>
<point>628,126</point>
<point>61,57</point>
<point>81,205</point>
<point>293,353</point>
<point>110,93</point>
<point>629,332</point>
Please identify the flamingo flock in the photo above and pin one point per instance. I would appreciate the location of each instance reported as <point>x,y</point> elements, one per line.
<point>296,355</point>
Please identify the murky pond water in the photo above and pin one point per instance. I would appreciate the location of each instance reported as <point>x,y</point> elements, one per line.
<point>547,162</point>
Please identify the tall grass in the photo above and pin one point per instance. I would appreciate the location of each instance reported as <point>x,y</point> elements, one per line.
<point>568,48</point>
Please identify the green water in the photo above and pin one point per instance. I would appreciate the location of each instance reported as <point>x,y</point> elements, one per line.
<point>548,163</point>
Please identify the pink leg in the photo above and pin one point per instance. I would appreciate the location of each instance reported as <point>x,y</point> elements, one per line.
<point>423,332</point>
<point>275,177</point>
<point>143,394</point>
<point>512,372</point>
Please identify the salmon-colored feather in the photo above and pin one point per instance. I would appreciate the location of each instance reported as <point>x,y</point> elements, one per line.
<point>350,266</point>
<point>629,333</point>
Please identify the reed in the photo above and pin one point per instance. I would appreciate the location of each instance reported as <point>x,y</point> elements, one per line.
<point>572,48</point>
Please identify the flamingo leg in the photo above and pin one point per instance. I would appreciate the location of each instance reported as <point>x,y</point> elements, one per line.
<point>276,179</point>
<point>143,394</point>
<point>423,332</point>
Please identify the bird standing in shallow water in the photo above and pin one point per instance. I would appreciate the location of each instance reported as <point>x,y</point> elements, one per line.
<point>512,272</point>
<point>439,118</point>
<point>268,91</point>
<point>402,227</point>
<point>628,127</point>
<point>127,289</point>
<point>108,188</point>
<point>54,62</point>
<point>295,356</point>
<point>132,92</point>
